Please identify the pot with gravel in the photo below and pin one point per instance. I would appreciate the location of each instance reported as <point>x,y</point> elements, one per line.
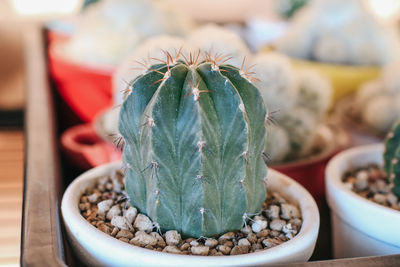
<point>192,179</point>
<point>363,190</point>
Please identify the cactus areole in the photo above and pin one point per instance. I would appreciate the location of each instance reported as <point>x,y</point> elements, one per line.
<point>392,158</point>
<point>194,136</point>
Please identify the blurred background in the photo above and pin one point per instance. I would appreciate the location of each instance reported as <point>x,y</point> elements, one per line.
<point>335,62</point>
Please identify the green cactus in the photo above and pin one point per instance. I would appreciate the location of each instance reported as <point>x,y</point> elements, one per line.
<point>392,157</point>
<point>194,136</point>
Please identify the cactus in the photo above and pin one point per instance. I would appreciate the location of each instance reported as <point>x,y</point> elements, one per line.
<point>315,92</point>
<point>278,144</point>
<point>194,136</point>
<point>380,113</point>
<point>391,157</point>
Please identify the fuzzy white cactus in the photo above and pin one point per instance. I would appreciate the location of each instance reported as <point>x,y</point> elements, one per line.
<point>367,92</point>
<point>219,40</point>
<point>342,32</point>
<point>109,29</point>
<point>301,126</point>
<point>315,92</point>
<point>276,81</point>
<point>380,113</point>
<point>391,78</point>
<point>142,58</point>
<point>278,144</point>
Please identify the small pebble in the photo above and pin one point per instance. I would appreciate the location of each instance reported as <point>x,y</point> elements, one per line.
<point>224,249</point>
<point>237,250</point>
<point>289,211</point>
<point>130,214</point>
<point>125,234</point>
<point>277,225</point>
<point>143,223</point>
<point>244,242</point>
<point>259,224</point>
<point>114,211</point>
<point>228,236</point>
<point>143,239</point>
<point>172,238</point>
<point>361,182</point>
<point>272,212</point>
<point>211,242</point>
<point>194,243</point>
<point>93,198</point>
<point>172,249</point>
<point>121,222</point>
<point>200,250</point>
<point>380,199</point>
<point>104,206</point>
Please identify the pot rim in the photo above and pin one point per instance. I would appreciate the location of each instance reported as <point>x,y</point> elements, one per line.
<point>334,175</point>
<point>307,235</point>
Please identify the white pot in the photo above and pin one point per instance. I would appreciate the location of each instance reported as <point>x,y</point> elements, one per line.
<point>97,248</point>
<point>360,227</point>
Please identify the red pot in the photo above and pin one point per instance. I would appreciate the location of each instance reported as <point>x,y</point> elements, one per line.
<point>84,149</point>
<point>86,89</point>
<point>310,171</point>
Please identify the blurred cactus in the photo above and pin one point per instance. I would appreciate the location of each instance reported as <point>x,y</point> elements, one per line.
<point>391,157</point>
<point>194,136</point>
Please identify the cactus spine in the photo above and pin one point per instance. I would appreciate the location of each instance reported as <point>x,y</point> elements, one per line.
<point>392,158</point>
<point>194,136</point>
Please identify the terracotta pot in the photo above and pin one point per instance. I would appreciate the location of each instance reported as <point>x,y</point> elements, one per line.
<point>85,149</point>
<point>96,248</point>
<point>360,227</point>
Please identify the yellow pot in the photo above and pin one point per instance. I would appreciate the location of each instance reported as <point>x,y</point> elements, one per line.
<point>345,79</point>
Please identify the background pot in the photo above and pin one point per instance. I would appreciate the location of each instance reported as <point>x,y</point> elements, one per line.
<point>97,248</point>
<point>87,89</point>
<point>345,79</point>
<point>310,171</point>
<point>360,227</point>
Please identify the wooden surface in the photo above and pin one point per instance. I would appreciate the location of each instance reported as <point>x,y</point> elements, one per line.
<point>11,174</point>
<point>41,224</point>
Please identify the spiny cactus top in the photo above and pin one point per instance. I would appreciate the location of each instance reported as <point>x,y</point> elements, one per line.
<point>392,157</point>
<point>194,136</point>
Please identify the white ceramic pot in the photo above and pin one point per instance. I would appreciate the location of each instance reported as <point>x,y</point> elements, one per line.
<point>97,248</point>
<point>360,227</point>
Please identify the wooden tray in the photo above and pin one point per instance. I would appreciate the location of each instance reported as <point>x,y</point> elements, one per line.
<point>46,176</point>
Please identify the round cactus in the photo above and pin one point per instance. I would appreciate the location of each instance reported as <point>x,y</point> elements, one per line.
<point>367,92</point>
<point>220,41</point>
<point>194,136</point>
<point>315,92</point>
<point>109,29</point>
<point>391,78</point>
<point>276,81</point>
<point>301,127</point>
<point>379,113</point>
<point>278,144</point>
<point>341,32</point>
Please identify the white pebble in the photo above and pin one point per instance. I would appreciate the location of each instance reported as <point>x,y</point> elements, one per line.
<point>361,182</point>
<point>114,211</point>
<point>259,224</point>
<point>93,198</point>
<point>289,211</point>
<point>194,243</point>
<point>272,212</point>
<point>277,225</point>
<point>143,239</point>
<point>130,214</point>
<point>172,249</point>
<point>244,242</point>
<point>104,206</point>
<point>121,222</point>
<point>143,223</point>
<point>200,250</point>
<point>172,237</point>
<point>380,198</point>
<point>211,242</point>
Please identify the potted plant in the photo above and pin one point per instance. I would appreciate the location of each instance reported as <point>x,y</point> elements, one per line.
<point>372,111</point>
<point>193,136</point>
<point>334,37</point>
<point>363,193</point>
